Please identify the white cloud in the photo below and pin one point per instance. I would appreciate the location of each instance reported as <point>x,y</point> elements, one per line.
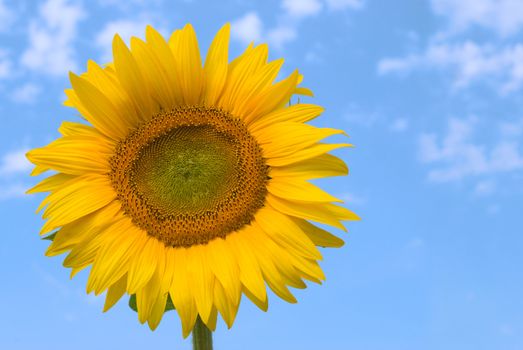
<point>336,5</point>
<point>302,8</point>
<point>279,36</point>
<point>485,188</point>
<point>313,57</point>
<point>499,64</point>
<point>250,27</point>
<point>399,125</point>
<point>415,243</point>
<point>469,62</point>
<point>247,28</point>
<point>493,209</point>
<point>51,38</point>
<point>7,17</point>
<point>6,66</point>
<point>14,162</point>
<point>511,129</point>
<point>457,156</point>
<point>355,114</point>
<point>128,4</point>
<point>11,191</point>
<point>353,199</point>
<point>125,28</point>
<point>503,16</point>
<point>26,93</point>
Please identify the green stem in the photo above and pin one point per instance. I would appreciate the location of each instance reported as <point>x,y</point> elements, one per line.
<point>201,336</point>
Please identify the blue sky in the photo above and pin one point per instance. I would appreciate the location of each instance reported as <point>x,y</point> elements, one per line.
<point>430,92</point>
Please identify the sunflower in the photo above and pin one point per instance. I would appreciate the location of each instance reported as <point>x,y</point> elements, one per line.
<point>188,183</point>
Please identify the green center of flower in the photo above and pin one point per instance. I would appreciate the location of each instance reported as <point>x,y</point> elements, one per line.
<point>187,170</point>
<point>190,175</point>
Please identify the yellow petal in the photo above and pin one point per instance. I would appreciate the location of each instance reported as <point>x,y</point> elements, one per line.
<point>75,232</point>
<point>321,166</point>
<point>227,309</point>
<point>213,318</point>
<point>324,213</point>
<point>101,111</point>
<point>272,98</point>
<point>291,263</point>
<point>184,46</point>
<point>132,80</point>
<point>115,293</point>
<point>51,184</point>
<point>298,190</point>
<point>216,65</point>
<point>303,91</point>
<point>88,194</point>
<point>299,113</point>
<point>166,61</point>
<point>275,252</point>
<point>250,274</point>
<point>239,75</point>
<point>149,296</point>
<point>317,235</point>
<point>201,280</point>
<point>75,155</point>
<point>107,82</point>
<point>153,73</point>
<point>78,129</point>
<point>181,293</point>
<point>263,304</point>
<point>271,274</point>
<point>255,86</point>
<point>286,233</point>
<point>157,311</point>
<point>309,269</point>
<point>84,253</point>
<point>143,265</point>
<point>112,261</point>
<point>168,273</point>
<point>306,153</point>
<point>286,138</point>
<point>225,268</point>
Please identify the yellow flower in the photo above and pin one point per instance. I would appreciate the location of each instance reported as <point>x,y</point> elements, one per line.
<point>189,182</point>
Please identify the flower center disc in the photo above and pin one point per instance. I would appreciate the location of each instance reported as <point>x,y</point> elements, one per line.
<point>190,175</point>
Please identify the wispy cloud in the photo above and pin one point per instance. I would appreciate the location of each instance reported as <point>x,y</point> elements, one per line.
<point>456,155</point>
<point>7,16</point>
<point>505,17</point>
<point>337,5</point>
<point>128,5</point>
<point>6,66</point>
<point>399,125</point>
<point>247,28</point>
<point>511,129</point>
<point>352,199</point>
<point>12,191</point>
<point>250,27</point>
<point>498,63</point>
<point>485,188</point>
<point>468,61</point>
<point>14,162</point>
<point>357,115</point>
<point>125,28</point>
<point>26,93</point>
<point>302,8</point>
<point>52,36</point>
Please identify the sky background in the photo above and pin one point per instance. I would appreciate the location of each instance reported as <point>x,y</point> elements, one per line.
<point>430,92</point>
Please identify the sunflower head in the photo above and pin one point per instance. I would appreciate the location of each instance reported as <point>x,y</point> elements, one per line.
<point>189,182</point>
